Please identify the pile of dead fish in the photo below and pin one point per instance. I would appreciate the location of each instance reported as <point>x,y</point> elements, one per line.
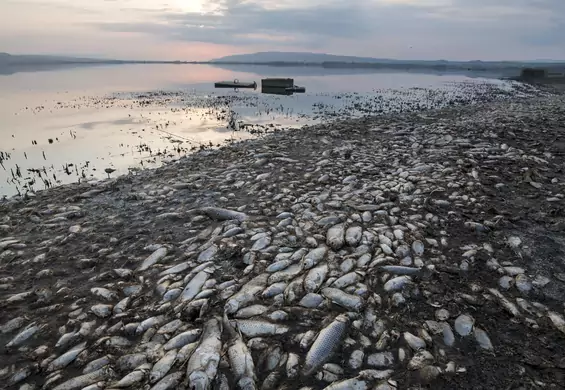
<point>290,273</point>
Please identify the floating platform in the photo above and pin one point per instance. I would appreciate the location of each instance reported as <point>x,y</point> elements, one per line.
<point>277,83</point>
<point>236,84</point>
<point>276,91</point>
<point>296,89</point>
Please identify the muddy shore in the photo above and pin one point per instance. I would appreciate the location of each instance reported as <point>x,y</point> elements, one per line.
<point>438,234</point>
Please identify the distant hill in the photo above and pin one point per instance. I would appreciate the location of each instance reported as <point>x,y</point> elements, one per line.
<point>319,58</point>
<point>11,60</point>
<point>276,56</point>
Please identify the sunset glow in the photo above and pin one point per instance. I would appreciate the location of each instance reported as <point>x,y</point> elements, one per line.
<point>207,29</point>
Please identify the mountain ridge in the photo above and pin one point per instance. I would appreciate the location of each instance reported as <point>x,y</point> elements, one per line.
<point>309,57</point>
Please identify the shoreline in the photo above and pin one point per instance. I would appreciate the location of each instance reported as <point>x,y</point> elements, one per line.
<point>432,240</point>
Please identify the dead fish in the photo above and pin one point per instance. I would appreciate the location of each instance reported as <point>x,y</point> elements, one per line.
<point>286,274</point>
<point>241,361</point>
<point>133,378</point>
<point>324,345</point>
<point>23,336</point>
<point>182,339</point>
<point>220,214</point>
<point>12,325</point>
<point>335,237</point>
<point>349,301</point>
<point>251,311</point>
<point>254,328</point>
<point>104,293</point>
<point>162,367</point>
<point>176,269</point>
<point>185,352</point>
<point>397,283</point>
<point>154,258</point>
<point>353,235</point>
<point>101,310</point>
<point>193,287</point>
<point>400,270</point>
<point>121,306</point>
<point>87,379</point>
<point>171,381</point>
<point>170,326</point>
<point>67,358</point>
<point>150,323</point>
<point>315,277</point>
<point>66,339</point>
<point>347,280</point>
<point>274,289</point>
<point>314,257</point>
<point>97,364</point>
<point>292,363</point>
<point>203,364</point>
<point>246,294</point>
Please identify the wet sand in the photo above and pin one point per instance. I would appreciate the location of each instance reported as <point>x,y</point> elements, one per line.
<point>469,200</point>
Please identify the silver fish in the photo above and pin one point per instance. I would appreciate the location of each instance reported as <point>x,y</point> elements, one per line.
<point>349,384</point>
<point>324,345</point>
<point>185,352</point>
<point>176,269</point>
<point>150,323</point>
<point>12,325</point>
<point>314,257</point>
<point>171,381</point>
<point>274,289</point>
<point>286,274</point>
<point>104,293</point>
<point>349,301</point>
<point>170,326</point>
<point>154,258</point>
<point>315,277</point>
<point>134,377</point>
<point>353,235</point>
<point>335,237</point>
<point>97,364</point>
<point>254,328</point>
<point>241,361</point>
<point>23,336</point>
<point>182,339</point>
<point>279,266</point>
<point>193,287</point>
<point>397,283</point>
<point>162,367</point>
<point>220,214</point>
<point>67,358</point>
<point>203,364</point>
<point>347,280</point>
<point>251,311</point>
<point>246,294</point>
<point>87,379</point>
<point>66,339</point>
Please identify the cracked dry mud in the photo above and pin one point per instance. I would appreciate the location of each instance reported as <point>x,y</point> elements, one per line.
<point>407,251</point>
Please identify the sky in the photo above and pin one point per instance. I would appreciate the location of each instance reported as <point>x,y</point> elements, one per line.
<point>207,29</point>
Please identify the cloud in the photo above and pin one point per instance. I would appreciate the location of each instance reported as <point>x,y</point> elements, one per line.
<point>454,29</point>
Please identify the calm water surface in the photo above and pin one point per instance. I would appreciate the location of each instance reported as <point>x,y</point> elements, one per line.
<point>68,125</point>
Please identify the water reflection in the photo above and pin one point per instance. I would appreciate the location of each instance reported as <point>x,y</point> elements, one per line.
<point>78,123</point>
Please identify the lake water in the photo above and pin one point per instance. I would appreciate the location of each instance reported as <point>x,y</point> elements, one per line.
<point>72,124</point>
